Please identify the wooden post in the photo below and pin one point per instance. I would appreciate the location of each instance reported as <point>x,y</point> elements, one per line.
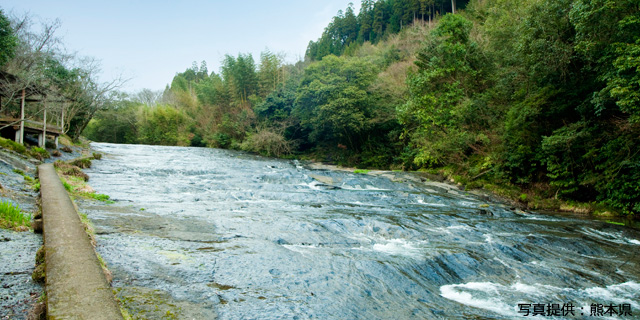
<point>62,118</point>
<point>21,137</point>
<point>44,126</point>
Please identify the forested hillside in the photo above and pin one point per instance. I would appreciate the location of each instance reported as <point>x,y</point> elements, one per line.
<point>537,96</point>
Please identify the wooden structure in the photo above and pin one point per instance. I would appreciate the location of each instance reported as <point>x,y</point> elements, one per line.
<point>24,126</point>
<point>41,129</point>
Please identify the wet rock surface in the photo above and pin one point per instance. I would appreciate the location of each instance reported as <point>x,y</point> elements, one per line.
<point>18,292</point>
<point>214,233</point>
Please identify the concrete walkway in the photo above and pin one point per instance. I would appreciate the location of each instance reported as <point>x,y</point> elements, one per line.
<point>75,284</point>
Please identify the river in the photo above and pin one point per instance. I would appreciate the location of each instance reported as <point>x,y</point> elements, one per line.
<point>204,233</point>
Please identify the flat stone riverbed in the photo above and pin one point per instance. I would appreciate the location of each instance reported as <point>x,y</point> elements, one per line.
<point>205,233</point>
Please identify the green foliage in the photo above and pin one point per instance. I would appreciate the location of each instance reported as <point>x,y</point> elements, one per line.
<point>163,125</point>
<point>67,186</point>
<point>240,75</point>
<point>537,100</point>
<point>11,217</point>
<point>277,106</point>
<point>361,171</point>
<point>117,125</point>
<point>333,101</point>
<point>608,37</point>
<point>375,21</point>
<point>8,40</point>
<point>442,118</point>
<point>267,143</point>
<point>12,145</point>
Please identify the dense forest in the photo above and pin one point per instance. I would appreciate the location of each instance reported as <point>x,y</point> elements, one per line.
<point>537,96</point>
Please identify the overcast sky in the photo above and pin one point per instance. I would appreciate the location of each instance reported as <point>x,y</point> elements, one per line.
<point>149,41</point>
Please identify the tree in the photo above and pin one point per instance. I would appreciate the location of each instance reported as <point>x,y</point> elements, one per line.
<point>608,36</point>
<point>8,40</point>
<point>270,73</point>
<point>148,97</point>
<point>442,119</point>
<point>333,101</point>
<point>240,75</point>
<point>92,96</point>
<point>116,125</point>
<point>163,125</point>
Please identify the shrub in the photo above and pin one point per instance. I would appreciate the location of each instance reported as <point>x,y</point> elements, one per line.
<point>267,143</point>
<point>39,153</point>
<point>83,163</point>
<point>56,153</point>
<point>67,149</point>
<point>97,155</point>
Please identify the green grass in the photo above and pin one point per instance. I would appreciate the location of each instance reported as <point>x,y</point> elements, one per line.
<point>100,196</point>
<point>97,196</point>
<point>12,217</point>
<point>75,181</point>
<point>361,171</point>
<point>39,153</point>
<point>616,223</point>
<point>67,186</point>
<point>12,145</point>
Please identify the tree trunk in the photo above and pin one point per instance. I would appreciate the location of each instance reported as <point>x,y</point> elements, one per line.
<point>453,6</point>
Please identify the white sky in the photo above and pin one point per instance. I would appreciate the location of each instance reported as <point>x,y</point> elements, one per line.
<point>149,41</point>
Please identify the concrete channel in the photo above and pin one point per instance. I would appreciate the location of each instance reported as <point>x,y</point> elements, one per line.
<point>75,283</point>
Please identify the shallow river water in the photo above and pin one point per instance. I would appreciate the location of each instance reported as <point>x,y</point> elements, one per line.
<point>204,233</point>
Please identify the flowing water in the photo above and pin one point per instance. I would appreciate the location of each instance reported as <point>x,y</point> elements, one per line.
<point>205,233</point>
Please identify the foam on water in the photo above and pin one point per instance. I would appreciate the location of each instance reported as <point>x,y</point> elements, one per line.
<point>432,204</point>
<point>399,247</point>
<point>504,300</point>
<point>480,300</point>
<point>616,237</point>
